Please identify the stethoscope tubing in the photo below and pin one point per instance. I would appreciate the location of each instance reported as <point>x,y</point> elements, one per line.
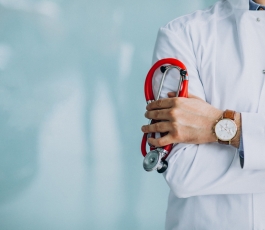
<point>149,95</point>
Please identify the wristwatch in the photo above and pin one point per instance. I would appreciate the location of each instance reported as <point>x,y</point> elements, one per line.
<point>225,128</point>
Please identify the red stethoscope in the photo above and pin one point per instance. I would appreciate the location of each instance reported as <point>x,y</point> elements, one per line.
<point>156,158</point>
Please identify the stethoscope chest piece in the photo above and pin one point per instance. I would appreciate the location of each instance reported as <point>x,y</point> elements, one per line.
<point>152,161</point>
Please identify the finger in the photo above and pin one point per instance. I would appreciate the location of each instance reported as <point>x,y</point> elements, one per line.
<point>164,103</point>
<point>161,114</point>
<point>193,96</point>
<point>159,127</point>
<point>159,142</point>
<point>171,94</point>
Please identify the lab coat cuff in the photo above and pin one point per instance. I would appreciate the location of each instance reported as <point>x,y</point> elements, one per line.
<point>253,125</point>
<point>241,149</point>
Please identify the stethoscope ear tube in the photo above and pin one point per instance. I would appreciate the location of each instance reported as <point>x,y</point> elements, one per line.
<point>156,159</point>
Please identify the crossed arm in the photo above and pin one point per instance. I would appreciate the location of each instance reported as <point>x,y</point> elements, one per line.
<point>187,120</point>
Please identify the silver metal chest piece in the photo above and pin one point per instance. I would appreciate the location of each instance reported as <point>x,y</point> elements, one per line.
<point>152,161</point>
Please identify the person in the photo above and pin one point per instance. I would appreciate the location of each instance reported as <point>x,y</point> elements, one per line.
<point>216,175</point>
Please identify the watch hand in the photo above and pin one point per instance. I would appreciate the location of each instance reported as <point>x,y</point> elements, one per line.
<point>224,128</point>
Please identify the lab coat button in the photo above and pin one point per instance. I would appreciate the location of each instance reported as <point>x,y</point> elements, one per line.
<point>258,19</point>
<point>263,71</point>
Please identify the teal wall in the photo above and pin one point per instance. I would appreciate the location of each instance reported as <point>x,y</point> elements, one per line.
<point>71,108</point>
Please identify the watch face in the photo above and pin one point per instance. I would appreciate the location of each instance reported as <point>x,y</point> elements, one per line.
<point>225,129</point>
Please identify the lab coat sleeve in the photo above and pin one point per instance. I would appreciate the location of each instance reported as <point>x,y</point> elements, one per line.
<point>253,134</point>
<point>207,168</point>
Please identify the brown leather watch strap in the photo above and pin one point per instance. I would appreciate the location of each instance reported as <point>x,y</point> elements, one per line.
<point>223,142</point>
<point>230,114</point>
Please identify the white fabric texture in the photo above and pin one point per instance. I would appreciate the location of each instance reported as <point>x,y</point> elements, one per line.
<point>223,49</point>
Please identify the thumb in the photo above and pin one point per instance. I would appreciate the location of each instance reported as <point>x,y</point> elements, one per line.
<point>193,96</point>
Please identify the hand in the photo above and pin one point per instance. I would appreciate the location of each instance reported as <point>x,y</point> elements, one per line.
<point>187,120</point>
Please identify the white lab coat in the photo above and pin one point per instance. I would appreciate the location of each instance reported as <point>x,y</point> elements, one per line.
<point>223,48</point>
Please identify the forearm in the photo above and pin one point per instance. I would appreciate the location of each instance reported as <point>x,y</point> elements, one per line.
<point>190,121</point>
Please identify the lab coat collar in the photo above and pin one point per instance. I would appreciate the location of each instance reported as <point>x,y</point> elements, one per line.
<point>240,4</point>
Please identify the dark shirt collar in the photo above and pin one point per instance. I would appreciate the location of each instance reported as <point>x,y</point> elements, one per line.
<point>253,5</point>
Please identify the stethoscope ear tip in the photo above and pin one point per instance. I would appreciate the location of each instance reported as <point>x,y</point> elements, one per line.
<point>163,69</point>
<point>183,72</point>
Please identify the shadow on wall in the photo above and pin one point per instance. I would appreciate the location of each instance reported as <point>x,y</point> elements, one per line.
<point>31,69</point>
